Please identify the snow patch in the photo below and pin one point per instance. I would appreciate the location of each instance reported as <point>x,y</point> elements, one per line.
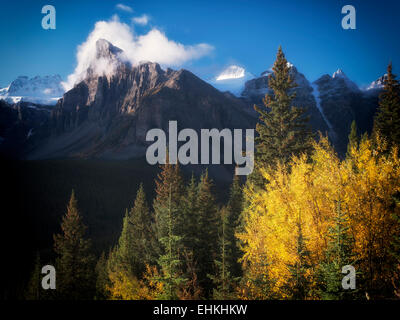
<point>42,90</point>
<point>232,72</point>
<point>317,98</point>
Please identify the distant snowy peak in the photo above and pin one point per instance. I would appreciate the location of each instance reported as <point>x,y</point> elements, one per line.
<point>232,72</point>
<point>41,90</point>
<point>49,86</point>
<point>377,84</point>
<point>232,79</point>
<point>339,74</point>
<point>290,65</point>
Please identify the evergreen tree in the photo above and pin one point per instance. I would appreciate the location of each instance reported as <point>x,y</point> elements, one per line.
<point>339,254</point>
<point>235,207</point>
<point>142,235</point>
<point>34,289</point>
<point>395,250</point>
<point>169,192</point>
<point>170,262</point>
<point>283,129</point>
<point>256,285</point>
<point>387,120</point>
<point>188,223</point>
<point>207,233</point>
<point>222,280</point>
<point>137,245</point>
<point>124,252</point>
<point>300,286</point>
<point>75,263</point>
<point>353,138</point>
<point>102,280</point>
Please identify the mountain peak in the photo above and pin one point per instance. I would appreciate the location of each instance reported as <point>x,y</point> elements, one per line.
<point>232,72</point>
<point>377,84</point>
<point>39,89</point>
<point>339,74</point>
<point>105,49</point>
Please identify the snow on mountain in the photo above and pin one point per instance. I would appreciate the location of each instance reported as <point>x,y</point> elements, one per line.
<point>232,72</point>
<point>42,90</point>
<point>317,98</point>
<point>341,76</point>
<point>377,84</point>
<point>232,79</point>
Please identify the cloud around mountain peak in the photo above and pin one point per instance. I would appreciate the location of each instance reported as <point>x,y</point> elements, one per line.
<point>153,46</point>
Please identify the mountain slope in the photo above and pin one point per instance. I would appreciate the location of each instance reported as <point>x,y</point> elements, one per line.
<point>255,91</point>
<point>108,116</point>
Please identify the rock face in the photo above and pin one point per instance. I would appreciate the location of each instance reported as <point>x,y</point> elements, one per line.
<point>22,127</point>
<point>333,102</point>
<point>342,102</point>
<point>108,113</point>
<point>108,116</point>
<point>256,89</point>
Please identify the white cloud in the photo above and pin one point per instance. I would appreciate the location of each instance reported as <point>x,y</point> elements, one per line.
<point>142,20</point>
<point>153,46</point>
<point>123,7</point>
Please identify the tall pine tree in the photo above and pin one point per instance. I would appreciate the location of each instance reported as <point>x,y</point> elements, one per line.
<point>283,129</point>
<point>143,237</point>
<point>387,120</point>
<point>171,262</point>
<point>169,192</point>
<point>338,254</point>
<point>222,280</point>
<point>300,286</point>
<point>353,138</point>
<point>34,290</point>
<point>207,233</point>
<point>188,223</point>
<point>234,208</point>
<point>74,263</point>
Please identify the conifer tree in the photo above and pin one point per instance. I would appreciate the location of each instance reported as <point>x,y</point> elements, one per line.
<point>299,284</point>
<point>34,289</point>
<point>395,249</point>
<point>387,120</point>
<point>169,192</point>
<point>124,252</point>
<point>74,263</point>
<point>338,254</point>
<point>353,138</point>
<point>188,223</point>
<point>283,129</point>
<point>234,208</point>
<point>142,234</point>
<point>222,280</point>
<point>102,280</point>
<point>171,261</point>
<point>207,233</point>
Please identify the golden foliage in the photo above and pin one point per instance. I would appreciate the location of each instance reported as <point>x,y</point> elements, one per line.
<point>124,286</point>
<point>307,192</point>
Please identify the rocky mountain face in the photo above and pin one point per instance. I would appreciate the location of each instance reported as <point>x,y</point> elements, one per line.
<point>23,126</point>
<point>255,91</point>
<point>108,116</point>
<point>333,102</point>
<point>342,102</point>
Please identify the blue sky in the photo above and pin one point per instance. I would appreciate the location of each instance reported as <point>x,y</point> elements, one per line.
<point>241,32</point>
